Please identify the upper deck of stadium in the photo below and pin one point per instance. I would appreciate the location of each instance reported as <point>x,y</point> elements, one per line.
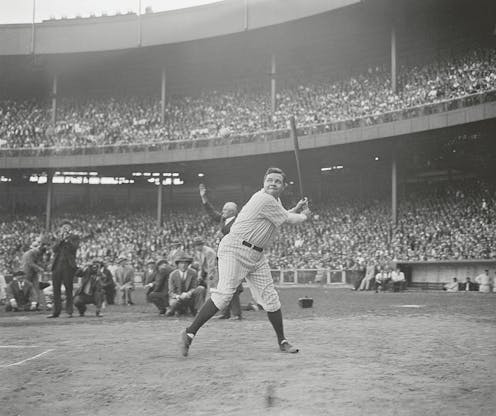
<point>200,48</point>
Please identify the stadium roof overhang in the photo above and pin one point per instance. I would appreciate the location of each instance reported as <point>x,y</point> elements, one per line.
<point>171,27</point>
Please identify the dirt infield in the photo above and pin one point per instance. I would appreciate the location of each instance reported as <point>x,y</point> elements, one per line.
<point>410,353</point>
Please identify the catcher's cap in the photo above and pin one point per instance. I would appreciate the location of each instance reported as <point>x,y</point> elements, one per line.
<point>184,259</point>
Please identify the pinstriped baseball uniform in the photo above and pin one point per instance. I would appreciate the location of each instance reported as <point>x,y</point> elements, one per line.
<point>256,226</point>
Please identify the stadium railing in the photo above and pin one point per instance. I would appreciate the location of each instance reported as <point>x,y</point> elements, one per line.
<point>261,136</point>
<point>287,277</point>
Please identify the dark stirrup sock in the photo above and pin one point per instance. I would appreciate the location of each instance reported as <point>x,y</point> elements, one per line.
<point>275,319</point>
<point>206,312</point>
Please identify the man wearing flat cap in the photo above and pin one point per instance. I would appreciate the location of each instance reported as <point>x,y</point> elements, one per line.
<point>64,268</point>
<point>20,294</point>
<point>184,291</point>
<point>158,288</point>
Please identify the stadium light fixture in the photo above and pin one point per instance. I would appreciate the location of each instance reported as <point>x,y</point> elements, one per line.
<point>201,175</point>
<point>376,158</point>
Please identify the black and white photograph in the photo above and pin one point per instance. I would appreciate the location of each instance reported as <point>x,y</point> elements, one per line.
<point>248,207</point>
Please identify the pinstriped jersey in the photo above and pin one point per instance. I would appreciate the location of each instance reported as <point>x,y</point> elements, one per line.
<point>259,219</point>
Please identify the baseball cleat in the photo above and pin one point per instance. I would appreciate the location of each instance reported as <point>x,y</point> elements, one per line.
<point>285,346</point>
<point>184,343</point>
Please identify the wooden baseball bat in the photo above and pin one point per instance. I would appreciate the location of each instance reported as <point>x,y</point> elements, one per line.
<point>297,154</point>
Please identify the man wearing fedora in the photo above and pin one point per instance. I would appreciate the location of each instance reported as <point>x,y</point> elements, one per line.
<point>20,294</point>
<point>158,288</point>
<point>184,291</point>
<point>124,279</point>
<point>64,268</point>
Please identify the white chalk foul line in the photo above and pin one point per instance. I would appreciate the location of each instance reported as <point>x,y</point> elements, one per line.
<point>27,359</point>
<point>19,346</point>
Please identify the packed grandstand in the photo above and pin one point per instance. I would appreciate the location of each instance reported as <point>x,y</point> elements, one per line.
<point>443,222</point>
<point>82,122</point>
<point>447,220</point>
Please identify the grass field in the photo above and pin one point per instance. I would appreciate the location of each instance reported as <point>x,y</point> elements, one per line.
<point>410,353</point>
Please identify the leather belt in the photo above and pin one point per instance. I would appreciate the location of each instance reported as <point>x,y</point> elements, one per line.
<point>247,244</point>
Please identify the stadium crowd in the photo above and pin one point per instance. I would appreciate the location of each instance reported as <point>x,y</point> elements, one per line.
<point>435,222</point>
<point>107,121</point>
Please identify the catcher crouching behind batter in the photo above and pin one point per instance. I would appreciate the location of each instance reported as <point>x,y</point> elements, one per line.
<point>241,256</point>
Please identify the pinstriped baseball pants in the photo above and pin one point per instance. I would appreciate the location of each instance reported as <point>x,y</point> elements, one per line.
<point>238,262</point>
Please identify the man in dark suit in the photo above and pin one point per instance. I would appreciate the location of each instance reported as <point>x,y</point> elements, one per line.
<point>184,291</point>
<point>468,285</point>
<point>20,293</point>
<point>90,289</point>
<point>107,283</point>
<point>64,268</point>
<point>225,220</point>
<point>159,287</point>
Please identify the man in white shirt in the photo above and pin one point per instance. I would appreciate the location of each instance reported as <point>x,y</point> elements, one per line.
<point>452,286</point>
<point>381,280</point>
<point>241,256</point>
<point>398,279</point>
<point>484,282</point>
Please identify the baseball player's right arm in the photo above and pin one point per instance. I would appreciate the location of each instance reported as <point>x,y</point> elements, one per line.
<point>294,218</point>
